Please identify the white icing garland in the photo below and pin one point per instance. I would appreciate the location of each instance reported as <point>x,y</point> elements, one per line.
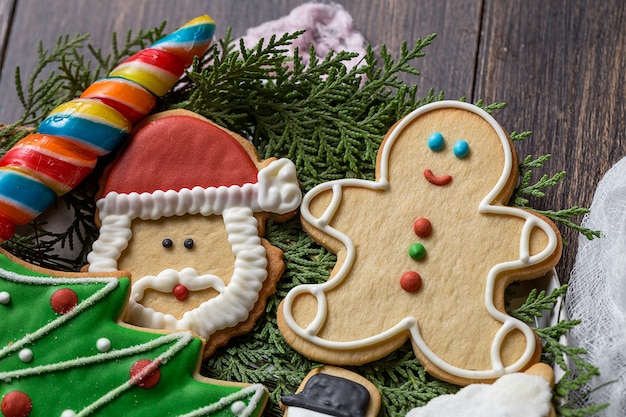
<point>411,324</point>
<point>257,390</point>
<point>111,284</point>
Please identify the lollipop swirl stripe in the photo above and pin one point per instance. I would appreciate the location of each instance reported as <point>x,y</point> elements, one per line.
<point>127,97</point>
<point>155,70</point>
<point>90,124</point>
<point>64,149</point>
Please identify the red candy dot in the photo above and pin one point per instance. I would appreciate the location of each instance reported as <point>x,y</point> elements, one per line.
<point>422,227</point>
<point>16,404</point>
<point>411,281</point>
<point>63,301</point>
<point>180,292</point>
<point>143,379</point>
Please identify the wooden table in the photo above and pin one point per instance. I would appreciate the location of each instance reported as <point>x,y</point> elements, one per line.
<point>560,64</point>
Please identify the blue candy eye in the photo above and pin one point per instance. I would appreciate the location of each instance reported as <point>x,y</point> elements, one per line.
<point>461,149</point>
<point>435,142</point>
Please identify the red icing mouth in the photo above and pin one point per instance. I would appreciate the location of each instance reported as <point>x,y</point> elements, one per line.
<point>180,292</point>
<point>435,180</point>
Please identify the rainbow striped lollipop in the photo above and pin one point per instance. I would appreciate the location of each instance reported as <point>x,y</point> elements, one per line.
<point>65,147</point>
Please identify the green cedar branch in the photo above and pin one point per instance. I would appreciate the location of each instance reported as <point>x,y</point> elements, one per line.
<point>527,189</point>
<point>330,121</point>
<point>571,359</point>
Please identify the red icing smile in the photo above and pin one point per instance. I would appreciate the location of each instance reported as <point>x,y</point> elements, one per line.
<point>435,180</point>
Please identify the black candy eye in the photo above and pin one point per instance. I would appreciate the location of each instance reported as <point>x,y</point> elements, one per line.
<point>167,243</point>
<point>188,243</point>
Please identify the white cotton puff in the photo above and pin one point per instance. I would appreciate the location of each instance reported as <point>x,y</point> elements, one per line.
<point>328,28</point>
<point>597,294</point>
<point>513,395</point>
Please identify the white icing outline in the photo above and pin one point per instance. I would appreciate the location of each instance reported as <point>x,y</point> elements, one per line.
<point>411,324</point>
<point>277,190</point>
<point>181,339</point>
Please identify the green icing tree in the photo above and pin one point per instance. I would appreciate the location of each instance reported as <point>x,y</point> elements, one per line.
<point>63,354</point>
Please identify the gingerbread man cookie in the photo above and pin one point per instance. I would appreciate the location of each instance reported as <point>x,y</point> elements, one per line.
<point>183,209</point>
<point>425,252</point>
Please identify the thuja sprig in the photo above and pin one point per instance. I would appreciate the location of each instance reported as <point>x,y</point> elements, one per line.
<point>571,359</point>
<point>39,95</point>
<point>537,302</point>
<point>327,119</point>
<point>527,189</point>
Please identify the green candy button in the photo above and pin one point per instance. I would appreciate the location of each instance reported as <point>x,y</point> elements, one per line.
<point>417,251</point>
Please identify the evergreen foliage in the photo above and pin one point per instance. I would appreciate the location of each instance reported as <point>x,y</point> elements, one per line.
<point>330,121</point>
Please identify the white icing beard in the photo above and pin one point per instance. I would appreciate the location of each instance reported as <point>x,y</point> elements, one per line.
<point>226,310</point>
<point>165,282</point>
<point>234,302</point>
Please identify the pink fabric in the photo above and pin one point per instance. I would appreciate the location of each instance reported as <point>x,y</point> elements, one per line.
<point>328,28</point>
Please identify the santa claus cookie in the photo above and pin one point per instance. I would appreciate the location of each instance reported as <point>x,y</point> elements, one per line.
<point>183,209</point>
<point>425,252</point>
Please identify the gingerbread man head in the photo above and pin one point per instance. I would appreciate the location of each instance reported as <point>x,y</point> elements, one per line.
<point>425,252</point>
<point>183,209</point>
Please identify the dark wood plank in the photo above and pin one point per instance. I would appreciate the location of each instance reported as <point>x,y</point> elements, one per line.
<point>561,67</point>
<point>449,64</point>
<point>6,9</point>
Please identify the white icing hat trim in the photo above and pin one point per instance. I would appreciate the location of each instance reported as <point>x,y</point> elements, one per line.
<point>277,191</point>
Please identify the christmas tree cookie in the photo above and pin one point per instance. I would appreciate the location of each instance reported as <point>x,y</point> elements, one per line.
<point>63,353</point>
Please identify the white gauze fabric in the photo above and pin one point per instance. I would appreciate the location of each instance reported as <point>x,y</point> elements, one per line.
<point>597,293</point>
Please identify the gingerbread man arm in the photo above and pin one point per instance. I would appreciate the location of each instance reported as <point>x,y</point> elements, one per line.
<point>320,205</point>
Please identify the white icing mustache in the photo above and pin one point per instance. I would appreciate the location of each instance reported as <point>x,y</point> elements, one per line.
<point>169,278</point>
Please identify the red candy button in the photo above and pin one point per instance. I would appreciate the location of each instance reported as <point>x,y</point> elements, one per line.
<point>422,227</point>
<point>141,378</point>
<point>411,281</point>
<point>16,404</point>
<point>180,292</point>
<point>63,301</point>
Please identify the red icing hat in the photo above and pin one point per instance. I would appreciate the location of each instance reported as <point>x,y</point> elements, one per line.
<point>180,151</point>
